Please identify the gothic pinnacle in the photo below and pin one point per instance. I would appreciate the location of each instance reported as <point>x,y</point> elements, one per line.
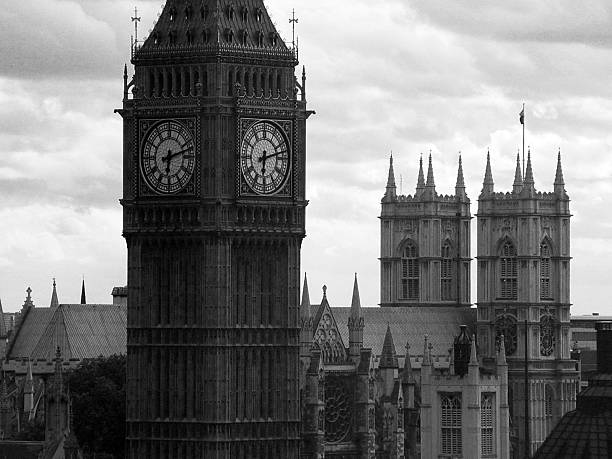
<point>421,180</point>
<point>54,299</point>
<point>388,357</point>
<point>518,176</point>
<point>305,305</point>
<point>390,192</point>
<point>529,182</point>
<point>460,186</point>
<point>559,181</point>
<point>488,185</point>
<point>430,175</point>
<point>356,312</point>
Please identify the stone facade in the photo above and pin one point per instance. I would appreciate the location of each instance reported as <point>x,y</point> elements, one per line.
<point>425,244</point>
<point>524,286</point>
<point>214,215</point>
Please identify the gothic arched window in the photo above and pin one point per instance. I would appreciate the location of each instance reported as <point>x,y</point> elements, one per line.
<point>451,423</point>
<point>548,407</point>
<point>545,256</point>
<point>446,273</point>
<point>410,273</point>
<point>509,272</point>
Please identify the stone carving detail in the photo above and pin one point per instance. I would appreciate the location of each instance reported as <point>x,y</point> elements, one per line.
<point>328,340</point>
<point>506,325</point>
<point>547,334</point>
<point>338,409</point>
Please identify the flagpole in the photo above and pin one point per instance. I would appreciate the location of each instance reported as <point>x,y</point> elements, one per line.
<point>523,112</point>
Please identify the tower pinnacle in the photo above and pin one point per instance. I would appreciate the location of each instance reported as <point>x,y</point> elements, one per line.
<point>54,300</point>
<point>305,305</point>
<point>559,181</point>
<point>488,186</point>
<point>421,180</point>
<point>460,186</point>
<point>390,193</point>
<point>518,176</point>
<point>430,186</point>
<point>83,297</point>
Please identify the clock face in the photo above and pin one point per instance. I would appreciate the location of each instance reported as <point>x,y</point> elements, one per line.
<point>168,157</point>
<point>265,157</point>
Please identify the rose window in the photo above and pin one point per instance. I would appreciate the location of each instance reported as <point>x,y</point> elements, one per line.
<point>338,410</point>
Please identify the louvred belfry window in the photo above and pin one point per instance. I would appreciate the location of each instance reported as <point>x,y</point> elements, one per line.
<point>446,273</point>
<point>509,272</point>
<point>545,257</point>
<point>487,424</point>
<point>410,273</point>
<point>450,424</point>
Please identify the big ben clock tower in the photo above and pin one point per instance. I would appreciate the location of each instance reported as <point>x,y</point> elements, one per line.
<point>213,211</point>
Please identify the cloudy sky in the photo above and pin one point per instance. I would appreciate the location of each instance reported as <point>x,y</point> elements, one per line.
<point>404,75</point>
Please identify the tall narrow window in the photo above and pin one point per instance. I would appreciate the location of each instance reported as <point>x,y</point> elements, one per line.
<point>446,273</point>
<point>548,407</point>
<point>509,272</point>
<point>545,256</point>
<point>410,273</point>
<point>450,424</point>
<point>487,424</point>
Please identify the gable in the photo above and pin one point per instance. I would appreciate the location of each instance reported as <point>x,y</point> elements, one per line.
<point>327,336</point>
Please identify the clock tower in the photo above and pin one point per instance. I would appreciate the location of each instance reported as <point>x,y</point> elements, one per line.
<point>213,217</point>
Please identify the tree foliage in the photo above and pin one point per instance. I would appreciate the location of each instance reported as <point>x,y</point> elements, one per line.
<point>97,390</point>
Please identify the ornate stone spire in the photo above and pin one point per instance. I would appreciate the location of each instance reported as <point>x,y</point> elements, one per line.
<point>305,313</point>
<point>356,312</point>
<point>430,175</point>
<point>391,191</point>
<point>559,181</point>
<point>355,325</point>
<point>529,183</point>
<point>28,303</point>
<point>518,176</point>
<point>488,185</point>
<point>54,300</point>
<point>407,371</point>
<point>83,297</point>
<point>421,180</point>
<point>388,358</point>
<point>460,185</point>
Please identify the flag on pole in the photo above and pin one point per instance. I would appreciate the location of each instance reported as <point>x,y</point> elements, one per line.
<point>522,116</point>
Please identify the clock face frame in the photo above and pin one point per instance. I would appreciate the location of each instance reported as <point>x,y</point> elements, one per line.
<point>265,157</point>
<point>168,157</point>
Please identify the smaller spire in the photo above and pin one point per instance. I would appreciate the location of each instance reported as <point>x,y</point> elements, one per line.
<point>473,356</point>
<point>356,312</point>
<point>54,300</point>
<point>388,358</point>
<point>390,193</point>
<point>501,355</point>
<point>426,360</point>
<point>83,297</point>
<point>407,372</point>
<point>28,303</point>
<point>488,185</point>
<point>305,305</point>
<point>430,175</point>
<point>529,172</point>
<point>559,180</point>
<point>518,176</point>
<point>421,180</point>
<point>460,186</point>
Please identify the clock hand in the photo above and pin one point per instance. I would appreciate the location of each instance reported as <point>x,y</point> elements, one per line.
<point>172,155</point>
<point>274,154</point>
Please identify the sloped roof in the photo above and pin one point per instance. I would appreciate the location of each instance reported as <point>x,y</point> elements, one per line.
<point>29,333</point>
<point>208,24</point>
<point>84,331</point>
<point>587,431</point>
<point>410,325</point>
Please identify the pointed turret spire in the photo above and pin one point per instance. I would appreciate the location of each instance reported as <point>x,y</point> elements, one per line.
<point>355,325</point>
<point>388,358</point>
<point>421,180</point>
<point>473,356</point>
<point>83,297</point>
<point>391,191</point>
<point>407,371</point>
<point>501,355</point>
<point>559,181</point>
<point>518,176</point>
<point>54,300</point>
<point>28,303</point>
<point>460,186</point>
<point>426,360</point>
<point>529,183</point>
<point>430,175</point>
<point>3,331</point>
<point>356,312</point>
<point>488,185</point>
<point>305,305</point>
